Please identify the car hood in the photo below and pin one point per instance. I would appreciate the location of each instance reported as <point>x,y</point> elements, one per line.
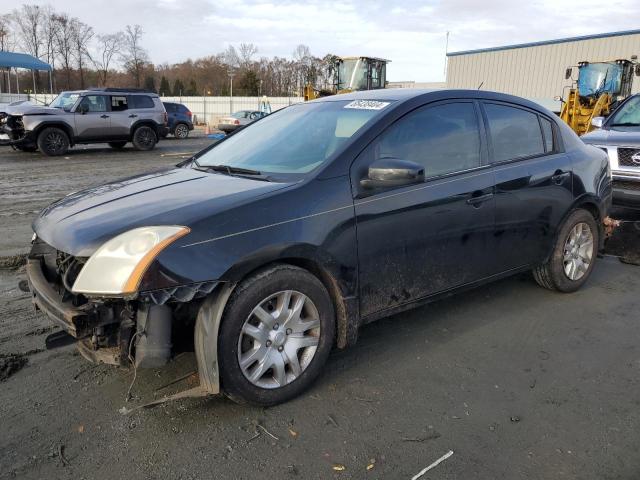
<point>26,108</point>
<point>82,221</point>
<point>621,138</point>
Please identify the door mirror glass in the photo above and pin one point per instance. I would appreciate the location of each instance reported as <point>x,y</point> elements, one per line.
<point>597,122</point>
<point>393,172</point>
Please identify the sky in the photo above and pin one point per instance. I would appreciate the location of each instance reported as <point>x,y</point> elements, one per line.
<point>410,33</point>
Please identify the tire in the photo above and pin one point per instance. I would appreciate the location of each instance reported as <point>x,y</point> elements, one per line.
<point>181,131</point>
<point>53,141</point>
<point>310,339</point>
<point>144,138</point>
<point>572,260</point>
<point>117,145</point>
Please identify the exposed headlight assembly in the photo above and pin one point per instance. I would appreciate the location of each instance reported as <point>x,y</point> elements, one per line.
<point>117,267</point>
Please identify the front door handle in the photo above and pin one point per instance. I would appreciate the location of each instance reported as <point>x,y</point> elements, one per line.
<point>133,115</point>
<point>104,116</point>
<point>559,177</point>
<point>478,199</point>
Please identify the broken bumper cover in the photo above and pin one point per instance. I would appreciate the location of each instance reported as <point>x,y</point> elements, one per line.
<point>18,138</point>
<point>76,321</point>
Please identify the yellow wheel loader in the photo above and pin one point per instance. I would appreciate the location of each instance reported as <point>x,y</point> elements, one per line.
<point>352,74</point>
<point>599,88</point>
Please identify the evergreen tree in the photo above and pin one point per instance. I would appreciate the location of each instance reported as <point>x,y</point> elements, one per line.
<point>165,88</point>
<point>193,89</point>
<point>178,88</point>
<point>149,83</point>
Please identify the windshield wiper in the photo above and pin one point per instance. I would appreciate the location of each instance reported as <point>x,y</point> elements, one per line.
<point>230,170</point>
<point>626,124</point>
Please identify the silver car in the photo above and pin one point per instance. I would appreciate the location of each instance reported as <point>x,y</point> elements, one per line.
<point>239,119</point>
<point>107,115</point>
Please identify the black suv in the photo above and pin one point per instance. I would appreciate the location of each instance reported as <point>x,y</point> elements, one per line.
<point>284,238</point>
<point>99,115</point>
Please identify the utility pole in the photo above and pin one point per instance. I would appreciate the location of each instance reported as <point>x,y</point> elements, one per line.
<point>231,75</point>
<point>446,59</point>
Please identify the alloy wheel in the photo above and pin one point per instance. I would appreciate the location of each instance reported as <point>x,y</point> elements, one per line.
<point>181,131</point>
<point>578,251</point>
<point>279,339</point>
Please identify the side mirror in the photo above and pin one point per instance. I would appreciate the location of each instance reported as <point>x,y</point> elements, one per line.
<point>597,122</point>
<point>637,70</point>
<point>82,109</point>
<point>567,73</point>
<point>392,172</point>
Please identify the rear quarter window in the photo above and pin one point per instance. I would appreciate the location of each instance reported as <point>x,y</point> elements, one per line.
<point>514,132</point>
<point>141,101</point>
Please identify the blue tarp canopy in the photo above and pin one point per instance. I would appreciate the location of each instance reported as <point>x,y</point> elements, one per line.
<point>22,60</point>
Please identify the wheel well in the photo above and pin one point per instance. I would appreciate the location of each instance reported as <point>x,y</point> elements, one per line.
<point>343,316</point>
<point>145,123</point>
<point>62,126</point>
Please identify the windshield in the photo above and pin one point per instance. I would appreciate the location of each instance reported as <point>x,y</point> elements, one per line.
<point>294,140</point>
<point>65,101</point>
<point>596,78</point>
<point>352,74</point>
<point>628,115</point>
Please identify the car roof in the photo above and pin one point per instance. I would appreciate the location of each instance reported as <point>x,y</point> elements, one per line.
<point>401,95</point>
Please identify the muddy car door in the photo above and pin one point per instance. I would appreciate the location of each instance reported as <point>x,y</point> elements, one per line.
<point>418,238</point>
<point>92,118</point>
<point>533,182</point>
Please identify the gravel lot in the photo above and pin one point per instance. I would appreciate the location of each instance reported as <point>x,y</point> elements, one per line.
<point>517,381</point>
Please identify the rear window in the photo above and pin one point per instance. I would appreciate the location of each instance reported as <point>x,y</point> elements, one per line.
<point>547,131</point>
<point>515,133</point>
<point>141,101</point>
<point>118,104</point>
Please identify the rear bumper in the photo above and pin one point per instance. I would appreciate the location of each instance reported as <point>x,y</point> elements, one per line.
<point>227,127</point>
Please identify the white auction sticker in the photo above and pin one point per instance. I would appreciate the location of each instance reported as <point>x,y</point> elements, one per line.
<point>367,104</point>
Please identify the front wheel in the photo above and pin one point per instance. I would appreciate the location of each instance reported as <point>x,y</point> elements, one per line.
<point>276,335</point>
<point>573,256</point>
<point>144,138</point>
<point>53,141</point>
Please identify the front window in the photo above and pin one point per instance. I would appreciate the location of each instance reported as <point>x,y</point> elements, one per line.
<point>352,74</point>
<point>628,115</point>
<point>294,140</point>
<point>65,101</point>
<point>596,78</point>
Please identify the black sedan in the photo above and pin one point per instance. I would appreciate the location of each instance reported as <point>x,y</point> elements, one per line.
<point>280,241</point>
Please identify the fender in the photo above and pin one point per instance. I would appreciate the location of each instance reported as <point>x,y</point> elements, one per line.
<point>63,125</point>
<point>149,123</point>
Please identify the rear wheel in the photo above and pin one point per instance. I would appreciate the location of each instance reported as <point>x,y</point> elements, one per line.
<point>117,145</point>
<point>53,141</point>
<point>181,131</point>
<point>144,138</point>
<point>276,334</point>
<point>573,256</point>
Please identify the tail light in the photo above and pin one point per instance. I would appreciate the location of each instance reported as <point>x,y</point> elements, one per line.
<point>189,113</point>
<point>236,122</point>
<point>165,117</point>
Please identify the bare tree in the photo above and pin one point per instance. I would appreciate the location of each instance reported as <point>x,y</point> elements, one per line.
<point>134,56</point>
<point>231,57</point>
<point>82,35</point>
<point>109,47</point>
<point>7,38</point>
<point>64,43</point>
<point>29,20</point>
<point>246,53</point>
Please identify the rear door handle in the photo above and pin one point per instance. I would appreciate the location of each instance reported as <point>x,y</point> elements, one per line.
<point>133,115</point>
<point>478,200</point>
<point>559,177</point>
<point>104,116</point>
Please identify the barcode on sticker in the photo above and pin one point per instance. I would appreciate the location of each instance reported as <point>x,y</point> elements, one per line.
<point>367,105</point>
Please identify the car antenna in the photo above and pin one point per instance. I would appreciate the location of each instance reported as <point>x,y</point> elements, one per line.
<point>480,86</point>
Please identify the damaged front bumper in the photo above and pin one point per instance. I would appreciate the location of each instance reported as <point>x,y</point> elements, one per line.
<point>13,132</point>
<point>121,331</point>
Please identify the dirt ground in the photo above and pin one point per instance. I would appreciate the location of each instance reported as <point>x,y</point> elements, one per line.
<point>517,381</point>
